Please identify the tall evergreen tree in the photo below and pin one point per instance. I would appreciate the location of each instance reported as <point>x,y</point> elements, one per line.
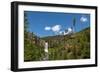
<point>25,22</point>
<point>74,24</point>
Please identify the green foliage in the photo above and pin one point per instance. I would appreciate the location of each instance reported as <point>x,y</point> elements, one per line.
<point>32,51</point>
<point>76,46</point>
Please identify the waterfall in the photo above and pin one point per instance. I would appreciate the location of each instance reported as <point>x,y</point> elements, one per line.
<point>46,51</point>
<point>46,47</point>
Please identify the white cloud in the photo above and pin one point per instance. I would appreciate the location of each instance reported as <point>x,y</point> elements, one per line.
<point>56,28</point>
<point>47,28</point>
<point>70,30</point>
<point>61,32</point>
<point>83,19</point>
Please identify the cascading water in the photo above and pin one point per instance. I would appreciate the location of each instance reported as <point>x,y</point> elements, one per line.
<point>46,51</point>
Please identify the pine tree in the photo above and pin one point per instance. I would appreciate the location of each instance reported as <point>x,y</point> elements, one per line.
<point>25,22</point>
<point>74,24</point>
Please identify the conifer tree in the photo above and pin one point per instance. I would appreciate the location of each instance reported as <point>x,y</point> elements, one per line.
<point>74,24</point>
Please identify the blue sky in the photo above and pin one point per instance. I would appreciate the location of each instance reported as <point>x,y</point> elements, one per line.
<point>48,23</point>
